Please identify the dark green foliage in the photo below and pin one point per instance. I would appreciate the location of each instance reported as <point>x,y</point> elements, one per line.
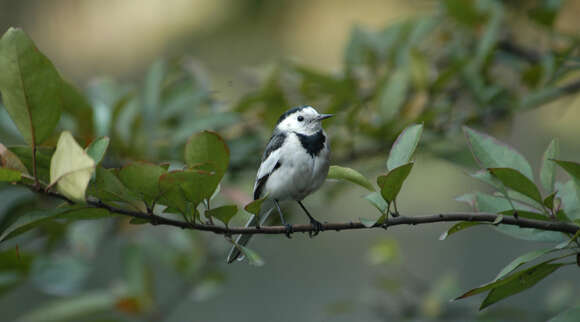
<point>413,85</point>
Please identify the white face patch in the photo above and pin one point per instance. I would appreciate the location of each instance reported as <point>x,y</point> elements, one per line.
<point>304,121</point>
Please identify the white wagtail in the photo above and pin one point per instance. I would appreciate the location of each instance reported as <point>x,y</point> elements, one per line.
<point>294,164</point>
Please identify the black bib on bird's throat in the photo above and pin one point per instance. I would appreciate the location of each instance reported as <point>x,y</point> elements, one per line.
<point>313,144</point>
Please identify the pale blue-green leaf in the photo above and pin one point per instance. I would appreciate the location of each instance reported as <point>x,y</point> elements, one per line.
<point>490,153</point>
<point>98,148</point>
<point>493,204</point>
<point>348,174</point>
<point>403,148</point>
<point>377,200</point>
<point>569,193</point>
<point>548,169</point>
<point>521,260</point>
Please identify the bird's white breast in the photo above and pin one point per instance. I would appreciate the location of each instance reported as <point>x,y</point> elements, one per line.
<point>299,174</point>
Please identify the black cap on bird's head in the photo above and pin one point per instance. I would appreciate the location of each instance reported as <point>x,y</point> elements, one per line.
<point>301,119</point>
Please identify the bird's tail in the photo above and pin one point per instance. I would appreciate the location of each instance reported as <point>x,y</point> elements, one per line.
<point>244,239</point>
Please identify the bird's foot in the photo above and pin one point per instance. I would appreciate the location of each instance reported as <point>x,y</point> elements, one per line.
<point>289,230</point>
<point>317,227</point>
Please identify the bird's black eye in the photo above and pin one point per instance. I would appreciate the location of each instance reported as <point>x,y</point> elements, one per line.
<point>300,118</point>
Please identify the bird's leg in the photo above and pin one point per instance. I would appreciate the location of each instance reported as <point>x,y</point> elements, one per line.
<point>288,226</point>
<point>315,223</point>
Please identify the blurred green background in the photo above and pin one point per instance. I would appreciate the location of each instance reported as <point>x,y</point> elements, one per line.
<point>209,57</point>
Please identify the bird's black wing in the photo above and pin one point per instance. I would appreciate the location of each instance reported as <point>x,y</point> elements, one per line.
<point>270,162</point>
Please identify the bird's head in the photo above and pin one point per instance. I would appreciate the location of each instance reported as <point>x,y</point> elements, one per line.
<point>304,120</point>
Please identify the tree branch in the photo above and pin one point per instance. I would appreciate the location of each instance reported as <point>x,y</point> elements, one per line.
<point>154,219</point>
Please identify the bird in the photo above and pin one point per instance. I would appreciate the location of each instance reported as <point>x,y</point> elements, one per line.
<point>294,164</point>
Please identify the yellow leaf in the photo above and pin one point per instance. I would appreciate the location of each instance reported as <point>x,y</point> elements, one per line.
<point>71,168</point>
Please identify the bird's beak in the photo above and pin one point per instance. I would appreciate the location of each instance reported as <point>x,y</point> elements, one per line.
<point>324,116</point>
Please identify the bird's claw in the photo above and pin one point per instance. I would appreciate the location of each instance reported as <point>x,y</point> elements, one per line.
<point>289,230</point>
<point>317,228</point>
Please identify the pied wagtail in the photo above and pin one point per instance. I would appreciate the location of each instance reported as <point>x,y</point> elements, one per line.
<point>294,164</point>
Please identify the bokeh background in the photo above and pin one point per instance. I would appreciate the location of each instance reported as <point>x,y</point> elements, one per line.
<point>111,48</point>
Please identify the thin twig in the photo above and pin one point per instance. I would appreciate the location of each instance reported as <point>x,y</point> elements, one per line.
<point>154,219</point>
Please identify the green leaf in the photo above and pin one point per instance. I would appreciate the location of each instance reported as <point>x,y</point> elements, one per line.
<point>255,206</point>
<point>10,160</point>
<point>521,260</point>
<point>180,187</point>
<point>548,169</point>
<point>573,168</point>
<point>43,156</point>
<point>71,168</point>
<point>525,279</point>
<point>223,213</point>
<point>9,175</point>
<point>392,182</point>
<point>143,179</point>
<point>519,282</point>
<point>36,218</point>
<point>516,181</point>
<point>459,227</point>
<point>486,177</point>
<point>570,315</point>
<point>30,87</point>
<point>348,174</point>
<point>490,153</point>
<point>493,204</point>
<point>394,93</point>
<point>404,146</point>
<point>549,200</point>
<point>378,201</point>
<point>566,243</point>
<point>97,148</point>
<point>208,151</point>
<point>107,187</point>
<point>569,193</point>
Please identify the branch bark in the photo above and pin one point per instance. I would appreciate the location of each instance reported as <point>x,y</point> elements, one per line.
<point>548,225</point>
